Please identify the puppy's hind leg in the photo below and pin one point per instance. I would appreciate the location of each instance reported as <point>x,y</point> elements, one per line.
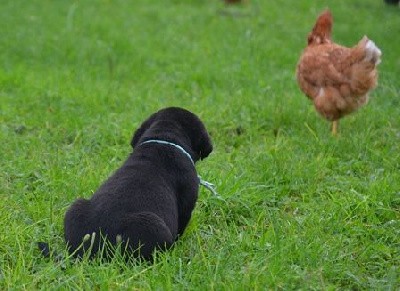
<point>144,232</point>
<point>77,226</point>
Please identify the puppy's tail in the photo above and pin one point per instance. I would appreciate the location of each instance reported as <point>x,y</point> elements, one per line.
<point>59,257</point>
<point>46,252</point>
<point>44,249</point>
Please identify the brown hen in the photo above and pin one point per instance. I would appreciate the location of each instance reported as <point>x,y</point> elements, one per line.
<point>336,78</point>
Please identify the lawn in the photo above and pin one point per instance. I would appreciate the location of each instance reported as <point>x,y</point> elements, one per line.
<point>298,208</point>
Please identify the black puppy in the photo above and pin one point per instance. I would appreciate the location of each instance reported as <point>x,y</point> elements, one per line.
<point>147,203</point>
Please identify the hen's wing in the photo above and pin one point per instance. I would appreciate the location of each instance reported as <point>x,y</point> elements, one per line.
<point>337,66</point>
<point>319,65</point>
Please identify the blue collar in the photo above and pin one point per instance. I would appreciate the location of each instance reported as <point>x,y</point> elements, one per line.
<point>170,144</point>
<point>206,184</point>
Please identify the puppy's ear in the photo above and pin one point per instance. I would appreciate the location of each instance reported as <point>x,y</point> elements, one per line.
<point>140,131</point>
<point>205,146</point>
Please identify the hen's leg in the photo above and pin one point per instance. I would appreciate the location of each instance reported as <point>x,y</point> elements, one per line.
<point>335,127</point>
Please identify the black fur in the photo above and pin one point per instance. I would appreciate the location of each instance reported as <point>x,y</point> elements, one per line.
<point>392,2</point>
<point>148,202</point>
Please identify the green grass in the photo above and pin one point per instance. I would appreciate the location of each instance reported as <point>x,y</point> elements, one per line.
<point>298,208</point>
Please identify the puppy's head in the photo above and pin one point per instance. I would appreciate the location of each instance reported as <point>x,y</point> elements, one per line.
<point>188,124</point>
